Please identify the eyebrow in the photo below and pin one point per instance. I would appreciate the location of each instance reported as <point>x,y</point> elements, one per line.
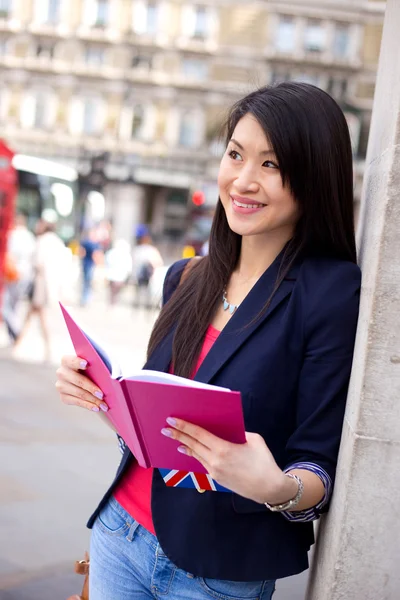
<point>264,152</point>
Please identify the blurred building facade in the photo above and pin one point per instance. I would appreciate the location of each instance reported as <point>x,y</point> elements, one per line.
<point>146,84</point>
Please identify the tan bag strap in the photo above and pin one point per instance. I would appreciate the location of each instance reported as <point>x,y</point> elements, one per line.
<point>189,266</point>
<point>82,568</point>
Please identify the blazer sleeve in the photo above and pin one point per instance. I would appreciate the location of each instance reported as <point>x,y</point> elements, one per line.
<point>172,279</point>
<point>330,329</point>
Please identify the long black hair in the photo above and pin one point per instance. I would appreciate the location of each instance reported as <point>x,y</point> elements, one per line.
<point>309,135</point>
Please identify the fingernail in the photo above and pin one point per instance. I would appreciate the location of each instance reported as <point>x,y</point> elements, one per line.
<point>99,395</point>
<point>182,450</point>
<point>104,407</point>
<point>166,432</point>
<point>95,409</point>
<point>83,364</point>
<point>171,422</point>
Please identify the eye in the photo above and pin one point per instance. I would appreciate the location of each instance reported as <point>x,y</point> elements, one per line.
<point>270,164</point>
<point>234,154</point>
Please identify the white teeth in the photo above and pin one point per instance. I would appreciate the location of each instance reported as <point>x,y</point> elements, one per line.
<point>247,205</point>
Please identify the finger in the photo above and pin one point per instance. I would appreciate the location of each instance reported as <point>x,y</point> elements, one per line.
<point>189,442</point>
<point>71,376</point>
<point>74,362</point>
<point>74,401</point>
<point>188,452</point>
<point>65,388</point>
<point>198,433</point>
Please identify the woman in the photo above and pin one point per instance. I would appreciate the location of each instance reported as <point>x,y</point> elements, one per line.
<point>276,308</point>
<point>51,273</point>
<point>118,262</point>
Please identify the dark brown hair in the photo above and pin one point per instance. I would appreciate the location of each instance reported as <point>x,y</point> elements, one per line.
<point>310,137</point>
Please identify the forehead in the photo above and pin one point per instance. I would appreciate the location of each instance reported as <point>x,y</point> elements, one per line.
<point>248,127</point>
<point>248,131</point>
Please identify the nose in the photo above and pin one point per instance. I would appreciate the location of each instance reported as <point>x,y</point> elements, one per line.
<point>246,180</point>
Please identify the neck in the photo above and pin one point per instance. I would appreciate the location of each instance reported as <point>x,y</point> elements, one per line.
<point>258,252</point>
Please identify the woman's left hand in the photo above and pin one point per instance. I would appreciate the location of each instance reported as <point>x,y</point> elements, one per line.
<point>248,469</point>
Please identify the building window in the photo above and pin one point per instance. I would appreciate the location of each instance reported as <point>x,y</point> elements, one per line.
<point>195,69</point>
<point>314,37</point>
<point>311,78</point>
<point>337,87</point>
<point>53,11</point>
<point>146,17</point>
<point>44,50</point>
<point>152,18</point>
<point>90,121</point>
<point>3,46</point>
<point>47,11</point>
<point>142,61</point>
<point>188,129</point>
<point>285,38</point>
<point>94,56</point>
<point>341,40</point>
<point>137,122</point>
<point>200,22</point>
<point>102,10</point>
<point>41,110</point>
<point>5,8</point>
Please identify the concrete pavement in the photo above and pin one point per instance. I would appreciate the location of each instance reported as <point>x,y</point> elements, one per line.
<point>56,461</point>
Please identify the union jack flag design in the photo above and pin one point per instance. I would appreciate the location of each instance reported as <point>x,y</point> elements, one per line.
<point>186,479</point>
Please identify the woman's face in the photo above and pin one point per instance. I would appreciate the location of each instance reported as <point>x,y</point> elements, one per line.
<point>250,185</point>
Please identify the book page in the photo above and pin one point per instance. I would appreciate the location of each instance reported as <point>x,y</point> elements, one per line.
<point>168,378</point>
<point>111,365</point>
<point>76,332</point>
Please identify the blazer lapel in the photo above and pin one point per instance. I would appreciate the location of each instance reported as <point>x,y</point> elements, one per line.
<point>240,326</point>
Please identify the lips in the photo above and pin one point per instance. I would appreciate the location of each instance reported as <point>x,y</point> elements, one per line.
<point>243,202</point>
<point>246,206</point>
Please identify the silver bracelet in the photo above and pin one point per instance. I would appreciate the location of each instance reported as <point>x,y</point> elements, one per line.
<point>290,503</point>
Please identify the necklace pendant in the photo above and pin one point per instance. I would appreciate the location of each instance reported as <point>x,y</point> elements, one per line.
<point>227,305</point>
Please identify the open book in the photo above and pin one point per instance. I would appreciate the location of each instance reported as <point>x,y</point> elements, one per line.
<point>139,405</point>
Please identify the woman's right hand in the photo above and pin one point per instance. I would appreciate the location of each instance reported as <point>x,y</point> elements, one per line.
<point>77,389</point>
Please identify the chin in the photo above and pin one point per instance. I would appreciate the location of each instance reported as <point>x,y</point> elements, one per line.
<point>241,228</point>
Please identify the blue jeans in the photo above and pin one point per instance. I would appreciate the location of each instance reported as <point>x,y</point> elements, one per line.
<point>127,563</point>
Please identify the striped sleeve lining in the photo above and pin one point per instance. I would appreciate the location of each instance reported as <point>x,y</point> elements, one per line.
<point>310,514</point>
<point>121,444</point>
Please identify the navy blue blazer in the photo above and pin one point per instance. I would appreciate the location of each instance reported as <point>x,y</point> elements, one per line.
<point>292,368</point>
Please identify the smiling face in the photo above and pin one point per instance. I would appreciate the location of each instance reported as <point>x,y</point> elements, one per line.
<point>250,185</point>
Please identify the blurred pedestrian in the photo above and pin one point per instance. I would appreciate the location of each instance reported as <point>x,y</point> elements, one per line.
<point>19,272</point>
<point>104,235</point>
<point>145,260</point>
<point>118,263</point>
<point>91,255</point>
<point>271,312</point>
<point>51,270</point>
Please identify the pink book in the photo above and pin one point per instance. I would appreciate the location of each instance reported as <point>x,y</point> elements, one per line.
<point>140,404</point>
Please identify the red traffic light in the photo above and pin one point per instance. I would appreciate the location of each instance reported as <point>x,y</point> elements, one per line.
<point>198,198</point>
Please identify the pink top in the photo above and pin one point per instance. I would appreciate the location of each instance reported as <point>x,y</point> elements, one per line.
<point>134,490</point>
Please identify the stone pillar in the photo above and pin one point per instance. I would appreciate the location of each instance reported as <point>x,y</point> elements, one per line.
<point>358,548</point>
<point>125,206</point>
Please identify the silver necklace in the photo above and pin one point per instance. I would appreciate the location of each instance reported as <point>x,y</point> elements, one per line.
<point>227,305</point>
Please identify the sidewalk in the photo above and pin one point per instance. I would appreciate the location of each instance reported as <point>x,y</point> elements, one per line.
<point>56,461</point>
